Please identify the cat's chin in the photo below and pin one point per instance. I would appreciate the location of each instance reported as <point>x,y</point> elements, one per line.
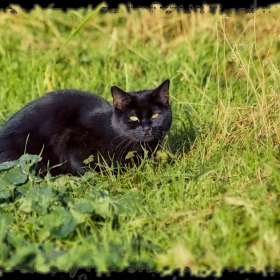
<point>147,139</point>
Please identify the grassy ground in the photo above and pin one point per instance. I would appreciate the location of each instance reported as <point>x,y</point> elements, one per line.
<point>213,206</point>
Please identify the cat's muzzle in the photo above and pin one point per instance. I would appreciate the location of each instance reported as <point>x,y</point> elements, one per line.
<point>147,134</point>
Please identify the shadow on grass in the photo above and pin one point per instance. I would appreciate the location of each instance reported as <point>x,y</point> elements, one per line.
<point>182,135</point>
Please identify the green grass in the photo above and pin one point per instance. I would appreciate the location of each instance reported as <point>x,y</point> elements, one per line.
<point>213,204</point>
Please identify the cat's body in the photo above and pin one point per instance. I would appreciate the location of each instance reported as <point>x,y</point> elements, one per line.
<point>69,125</point>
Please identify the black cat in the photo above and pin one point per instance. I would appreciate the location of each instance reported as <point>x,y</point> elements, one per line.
<point>68,126</point>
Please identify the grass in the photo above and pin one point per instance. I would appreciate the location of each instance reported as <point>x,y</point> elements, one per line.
<point>213,204</point>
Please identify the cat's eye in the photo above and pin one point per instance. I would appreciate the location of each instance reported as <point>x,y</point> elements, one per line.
<point>154,116</point>
<point>133,118</point>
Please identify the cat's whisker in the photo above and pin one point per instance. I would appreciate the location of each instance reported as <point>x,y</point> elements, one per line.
<point>120,144</point>
<point>118,136</point>
<point>128,146</point>
<point>124,148</point>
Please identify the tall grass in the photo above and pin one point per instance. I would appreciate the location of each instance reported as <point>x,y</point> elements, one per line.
<point>215,202</point>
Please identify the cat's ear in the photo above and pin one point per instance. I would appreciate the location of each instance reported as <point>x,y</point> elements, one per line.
<point>120,97</point>
<point>162,92</point>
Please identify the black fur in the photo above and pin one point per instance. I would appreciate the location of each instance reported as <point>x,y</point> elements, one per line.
<point>70,125</point>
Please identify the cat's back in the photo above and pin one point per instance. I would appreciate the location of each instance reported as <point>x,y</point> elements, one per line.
<point>70,99</point>
<point>61,103</point>
<point>54,110</point>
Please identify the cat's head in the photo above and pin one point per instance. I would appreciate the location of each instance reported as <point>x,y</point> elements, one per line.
<point>143,116</point>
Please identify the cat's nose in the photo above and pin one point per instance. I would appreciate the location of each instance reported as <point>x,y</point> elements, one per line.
<point>146,130</point>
